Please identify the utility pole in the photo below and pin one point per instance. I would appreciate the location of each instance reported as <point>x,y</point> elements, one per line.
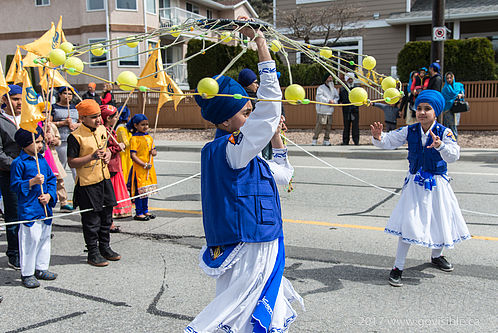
<point>438,32</point>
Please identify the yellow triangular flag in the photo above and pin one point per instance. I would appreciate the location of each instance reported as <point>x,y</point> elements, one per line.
<point>29,60</point>
<point>153,75</point>
<point>46,79</point>
<point>43,45</point>
<point>59,37</point>
<point>4,87</point>
<point>30,112</point>
<point>173,88</point>
<point>14,74</point>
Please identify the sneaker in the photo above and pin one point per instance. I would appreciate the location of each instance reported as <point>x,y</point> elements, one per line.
<point>313,143</point>
<point>96,259</point>
<point>67,208</point>
<point>109,254</point>
<point>45,275</point>
<point>442,264</point>
<point>326,143</point>
<point>395,277</point>
<point>30,281</point>
<point>14,263</point>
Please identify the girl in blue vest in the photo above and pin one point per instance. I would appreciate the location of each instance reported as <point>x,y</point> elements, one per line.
<point>427,213</point>
<point>241,209</point>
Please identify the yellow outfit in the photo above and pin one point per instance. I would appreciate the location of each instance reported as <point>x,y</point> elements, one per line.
<point>124,136</point>
<point>94,171</point>
<point>146,180</point>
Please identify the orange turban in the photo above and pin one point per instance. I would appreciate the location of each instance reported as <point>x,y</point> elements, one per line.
<point>88,107</point>
<point>93,85</point>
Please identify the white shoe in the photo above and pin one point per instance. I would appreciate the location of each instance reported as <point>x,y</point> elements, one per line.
<point>326,143</point>
<point>313,143</point>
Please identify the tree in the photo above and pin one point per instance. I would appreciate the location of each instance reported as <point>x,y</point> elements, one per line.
<point>338,19</point>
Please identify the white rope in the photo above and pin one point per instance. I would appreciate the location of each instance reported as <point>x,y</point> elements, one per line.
<point>90,209</point>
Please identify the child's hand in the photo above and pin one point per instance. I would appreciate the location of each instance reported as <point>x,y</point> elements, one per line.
<point>44,198</point>
<point>99,154</point>
<point>122,146</point>
<point>153,152</point>
<point>147,166</point>
<point>436,141</point>
<point>376,129</point>
<point>107,157</point>
<point>37,180</point>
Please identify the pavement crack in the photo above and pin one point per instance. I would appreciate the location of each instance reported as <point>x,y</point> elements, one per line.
<point>370,209</point>
<point>48,322</point>
<point>85,296</point>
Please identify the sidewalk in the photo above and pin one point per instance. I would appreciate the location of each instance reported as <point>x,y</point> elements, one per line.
<point>351,151</point>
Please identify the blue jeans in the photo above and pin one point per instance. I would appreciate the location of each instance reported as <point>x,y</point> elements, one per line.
<point>10,214</point>
<point>142,205</point>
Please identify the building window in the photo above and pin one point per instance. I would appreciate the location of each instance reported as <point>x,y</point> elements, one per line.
<point>192,8</point>
<point>93,58</point>
<point>42,2</point>
<point>151,6</point>
<point>209,14</point>
<point>126,4</point>
<point>164,4</point>
<point>94,5</point>
<point>130,54</point>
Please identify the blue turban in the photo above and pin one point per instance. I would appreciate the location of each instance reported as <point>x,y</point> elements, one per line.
<point>61,89</point>
<point>435,66</point>
<point>24,138</point>
<point>246,77</point>
<point>135,120</point>
<point>434,98</point>
<point>14,90</point>
<point>125,114</point>
<point>218,109</point>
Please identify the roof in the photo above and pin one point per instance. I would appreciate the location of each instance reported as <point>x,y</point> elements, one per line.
<point>421,11</point>
<point>228,4</point>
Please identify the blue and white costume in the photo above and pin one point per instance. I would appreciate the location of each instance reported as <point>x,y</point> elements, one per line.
<point>427,213</point>
<point>243,223</point>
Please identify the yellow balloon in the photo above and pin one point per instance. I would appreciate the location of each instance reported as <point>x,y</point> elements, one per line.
<point>358,96</point>
<point>127,80</point>
<point>369,62</point>
<point>208,87</point>
<point>392,96</point>
<point>326,52</point>
<point>275,46</point>
<point>73,63</point>
<point>97,50</point>
<point>57,57</point>
<point>295,93</point>
<point>226,37</point>
<point>175,32</point>
<point>66,47</point>
<point>388,82</point>
<point>131,43</point>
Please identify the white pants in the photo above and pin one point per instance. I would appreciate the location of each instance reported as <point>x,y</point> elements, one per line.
<point>34,247</point>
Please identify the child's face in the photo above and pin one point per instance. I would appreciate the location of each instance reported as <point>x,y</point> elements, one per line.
<point>111,120</point>
<point>239,119</point>
<point>142,126</point>
<point>92,121</point>
<point>38,144</point>
<point>425,114</point>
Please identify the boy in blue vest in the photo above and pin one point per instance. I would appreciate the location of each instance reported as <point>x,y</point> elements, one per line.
<point>34,237</point>
<point>427,212</point>
<point>241,208</point>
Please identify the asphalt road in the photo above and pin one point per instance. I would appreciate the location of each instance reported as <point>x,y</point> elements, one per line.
<point>338,259</point>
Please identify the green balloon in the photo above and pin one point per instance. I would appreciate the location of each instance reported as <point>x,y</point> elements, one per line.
<point>237,96</point>
<point>305,101</point>
<point>143,88</point>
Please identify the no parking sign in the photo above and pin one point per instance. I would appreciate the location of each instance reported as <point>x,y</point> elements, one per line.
<point>438,33</point>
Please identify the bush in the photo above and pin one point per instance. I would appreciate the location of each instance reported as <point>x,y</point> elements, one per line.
<point>470,59</point>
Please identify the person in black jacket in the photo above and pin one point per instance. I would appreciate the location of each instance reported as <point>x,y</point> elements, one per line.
<point>436,80</point>
<point>91,94</point>
<point>350,113</point>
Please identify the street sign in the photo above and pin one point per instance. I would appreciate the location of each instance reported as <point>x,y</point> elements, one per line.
<point>438,34</point>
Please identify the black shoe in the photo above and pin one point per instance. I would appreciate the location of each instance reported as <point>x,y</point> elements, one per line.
<point>14,263</point>
<point>344,144</point>
<point>139,218</point>
<point>115,230</point>
<point>442,264</point>
<point>151,216</point>
<point>96,259</point>
<point>395,277</point>
<point>109,254</point>
<point>356,143</point>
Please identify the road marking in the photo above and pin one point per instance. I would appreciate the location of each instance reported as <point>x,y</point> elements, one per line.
<point>326,224</point>
<point>348,168</point>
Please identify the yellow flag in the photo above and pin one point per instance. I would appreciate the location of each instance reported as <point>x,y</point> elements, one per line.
<point>29,60</point>
<point>14,73</point>
<point>4,87</point>
<point>30,112</point>
<point>43,45</point>
<point>172,88</point>
<point>59,36</point>
<point>46,79</point>
<point>152,75</point>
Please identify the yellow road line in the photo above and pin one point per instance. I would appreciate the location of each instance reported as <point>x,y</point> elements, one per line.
<point>326,224</point>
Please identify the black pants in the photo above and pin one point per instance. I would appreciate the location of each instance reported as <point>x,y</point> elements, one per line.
<point>10,214</point>
<point>351,119</point>
<point>96,226</point>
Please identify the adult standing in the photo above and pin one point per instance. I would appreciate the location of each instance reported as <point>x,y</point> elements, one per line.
<point>91,94</point>
<point>326,93</point>
<point>65,117</point>
<point>350,113</point>
<point>452,91</point>
<point>9,150</point>
<point>107,96</point>
<point>435,81</point>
